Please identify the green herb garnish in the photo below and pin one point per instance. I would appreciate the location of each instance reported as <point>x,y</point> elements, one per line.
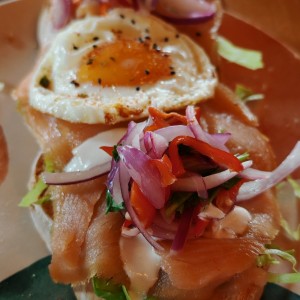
<point>111,205</point>
<point>107,290</point>
<point>115,153</point>
<point>250,59</point>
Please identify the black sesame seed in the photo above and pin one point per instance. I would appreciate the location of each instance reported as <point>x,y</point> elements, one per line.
<point>75,83</point>
<point>147,37</point>
<point>90,61</point>
<point>132,21</point>
<point>95,38</point>
<point>147,72</point>
<point>75,47</point>
<point>95,46</point>
<point>137,88</point>
<point>99,80</point>
<point>166,39</point>
<point>45,82</point>
<point>177,36</point>
<point>141,40</point>
<point>172,73</point>
<point>198,33</point>
<point>147,30</point>
<point>122,16</point>
<point>154,46</point>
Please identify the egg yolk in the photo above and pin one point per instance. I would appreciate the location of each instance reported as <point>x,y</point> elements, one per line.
<point>125,63</point>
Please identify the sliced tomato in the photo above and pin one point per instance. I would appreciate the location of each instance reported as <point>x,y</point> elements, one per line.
<point>141,205</point>
<point>160,119</point>
<point>221,157</point>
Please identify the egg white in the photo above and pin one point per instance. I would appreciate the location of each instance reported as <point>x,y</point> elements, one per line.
<point>194,80</point>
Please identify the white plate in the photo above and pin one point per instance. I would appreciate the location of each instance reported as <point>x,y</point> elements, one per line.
<point>20,245</point>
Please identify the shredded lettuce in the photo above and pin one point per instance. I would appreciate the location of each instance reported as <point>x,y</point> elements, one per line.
<point>267,258</point>
<point>295,185</point>
<point>246,94</point>
<point>284,278</point>
<point>292,234</point>
<point>250,59</point>
<point>35,195</point>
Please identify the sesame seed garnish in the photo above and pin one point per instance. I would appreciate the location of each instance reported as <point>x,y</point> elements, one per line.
<point>75,47</point>
<point>137,88</point>
<point>90,61</point>
<point>122,16</point>
<point>99,80</point>
<point>132,21</point>
<point>141,40</point>
<point>177,36</point>
<point>95,46</point>
<point>147,37</point>
<point>198,33</point>
<point>147,30</point>
<point>166,39</point>
<point>172,73</point>
<point>147,72</point>
<point>95,38</point>
<point>75,83</point>
<point>154,46</point>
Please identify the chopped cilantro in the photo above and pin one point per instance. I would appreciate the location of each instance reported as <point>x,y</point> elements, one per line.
<point>111,205</point>
<point>115,154</point>
<point>250,59</point>
<point>107,290</point>
<point>230,183</point>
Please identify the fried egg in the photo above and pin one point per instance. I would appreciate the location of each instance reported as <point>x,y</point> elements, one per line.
<point>111,68</point>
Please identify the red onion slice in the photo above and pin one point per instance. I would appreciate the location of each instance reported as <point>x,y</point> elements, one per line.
<point>185,12</point>
<point>65,178</point>
<point>145,174</point>
<point>124,180</point>
<point>197,183</point>
<point>171,132</point>
<point>61,11</point>
<point>183,230</point>
<point>215,140</point>
<point>253,188</point>
<point>155,144</point>
<point>253,174</point>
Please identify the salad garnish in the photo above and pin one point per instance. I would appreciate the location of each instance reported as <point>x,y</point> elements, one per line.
<point>170,178</point>
<point>250,59</point>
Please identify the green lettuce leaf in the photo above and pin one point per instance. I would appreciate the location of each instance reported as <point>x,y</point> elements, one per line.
<point>292,234</point>
<point>246,94</point>
<point>250,59</point>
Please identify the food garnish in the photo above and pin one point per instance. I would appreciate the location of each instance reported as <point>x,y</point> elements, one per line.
<point>151,182</point>
<point>247,58</point>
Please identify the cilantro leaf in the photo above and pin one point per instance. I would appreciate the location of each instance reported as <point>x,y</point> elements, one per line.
<point>108,290</point>
<point>111,205</point>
